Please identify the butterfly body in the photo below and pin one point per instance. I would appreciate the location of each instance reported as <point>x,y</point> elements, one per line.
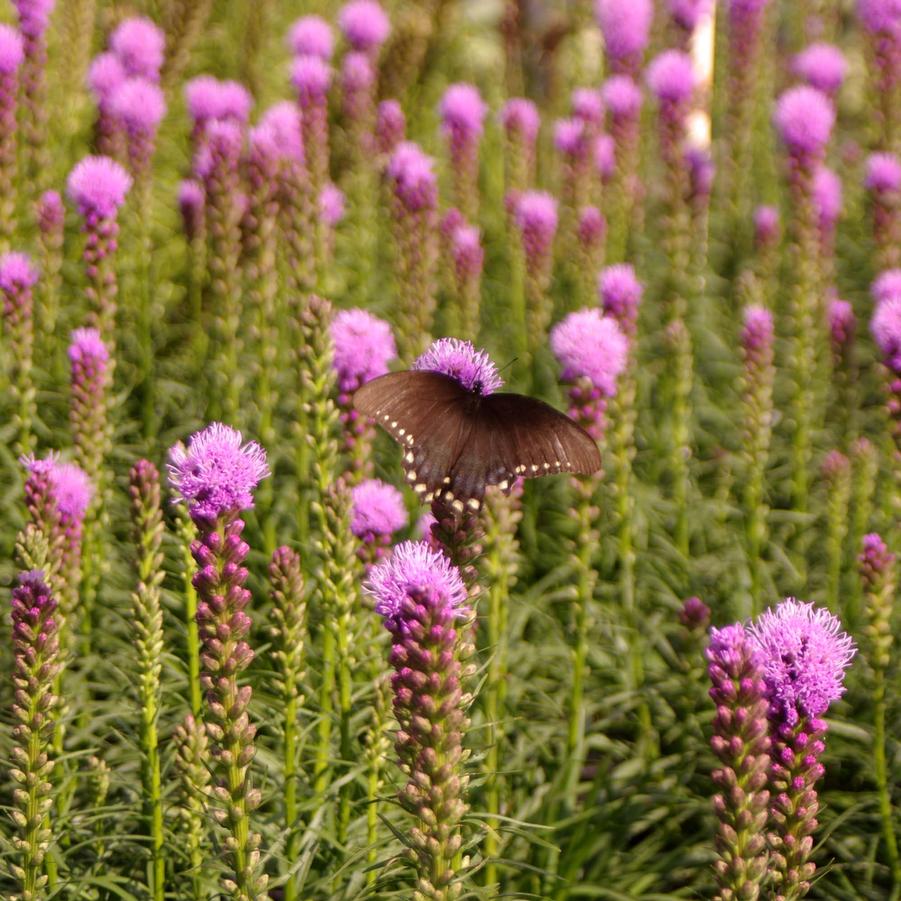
<point>458,441</point>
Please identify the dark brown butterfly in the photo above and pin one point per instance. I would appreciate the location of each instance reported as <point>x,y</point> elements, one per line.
<point>457,442</point>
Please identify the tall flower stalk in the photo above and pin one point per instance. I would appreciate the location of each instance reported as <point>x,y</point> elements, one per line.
<point>462,112</point>
<point>414,224</point>
<point>876,566</point>
<point>836,472</point>
<point>17,280</point>
<point>215,476</point>
<point>882,23</point>
<point>521,122</point>
<point>883,183</point>
<point>423,600</point>
<point>191,767</point>
<point>622,98</point>
<point>289,614</point>
<point>36,663</point>
<point>11,56</point>
<point>98,187</point>
<point>377,512</point>
<point>217,165</point>
<point>804,118</point>
<point>50,215</point>
<point>741,744</point>
<point>757,338</point>
<point>593,353</point>
<point>804,655</point>
<point>864,474</point>
<point>147,522</point>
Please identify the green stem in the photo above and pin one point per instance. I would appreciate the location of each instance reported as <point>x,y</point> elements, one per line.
<point>289,767</point>
<point>326,707</point>
<point>882,782</point>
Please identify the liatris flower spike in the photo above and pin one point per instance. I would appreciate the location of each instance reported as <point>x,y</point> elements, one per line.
<point>462,112</point>
<point>209,100</point>
<point>140,106</point>
<point>687,14</point>
<point>694,614</point>
<point>377,512</point>
<point>626,26</point>
<point>311,78</point>
<point>741,744</point>
<point>822,66</point>
<point>468,257</point>
<point>672,80</point>
<point>535,217</point>
<point>883,181</point>
<point>215,476</point>
<point>11,55</point>
<point>620,292</point>
<point>98,187</point>
<point>105,75</point>
<point>804,118</point>
<point>593,352</point>
<point>365,25</point>
<point>521,121</point>
<point>17,280</point>
<point>90,383</point>
<point>766,226</point>
<point>390,126</point>
<point>363,346</point>
<point>804,654</point>
<point>311,36</point>
<point>36,665</point>
<point>424,604</point>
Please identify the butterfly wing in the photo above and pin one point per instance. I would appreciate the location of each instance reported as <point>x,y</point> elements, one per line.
<point>456,443</point>
<point>427,413</point>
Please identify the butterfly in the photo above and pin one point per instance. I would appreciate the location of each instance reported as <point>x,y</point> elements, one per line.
<point>457,442</point>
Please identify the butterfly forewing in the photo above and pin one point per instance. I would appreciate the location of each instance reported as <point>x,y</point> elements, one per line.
<point>456,443</point>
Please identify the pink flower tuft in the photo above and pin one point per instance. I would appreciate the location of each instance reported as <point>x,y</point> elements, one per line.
<point>16,272</point>
<point>363,347</point>
<point>622,97</point>
<point>98,186</point>
<point>626,25</point>
<point>105,75</point>
<point>460,360</point>
<point>462,113</point>
<point>377,509</point>
<point>331,205</point>
<point>12,50</point>
<point>520,116</point>
<point>140,105</point>
<point>365,25</point>
<point>590,345</point>
<point>588,106</point>
<point>883,175</point>
<point>283,121</point>
<point>413,178</point>
<point>804,118</point>
<point>140,46</point>
<point>887,286</point>
<point>671,77</point>
<point>822,66</point>
<point>311,77</point>
<point>311,36</point>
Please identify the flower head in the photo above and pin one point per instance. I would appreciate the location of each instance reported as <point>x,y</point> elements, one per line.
<point>209,99</point>
<point>460,360</point>
<point>217,473</point>
<point>804,118</point>
<point>822,66</point>
<point>283,121</point>
<point>588,106</point>
<point>105,75</point>
<point>592,226</point>
<point>671,77</point>
<point>311,36</point>
<point>875,559</point>
<point>626,25</point>
<point>97,186</point>
<point>363,347</point>
<point>139,104</point>
<point>17,272</point>
<point>827,197</point>
<point>224,140</point>
<point>50,211</point>
<point>357,73</point>
<point>766,225</point>
<point>804,654</point>
<point>620,294</point>
<point>331,205</point>
<point>140,46</point>
<point>364,24</point>
<point>86,348</point>
<point>12,50</point>
<point>390,125</point>
<point>728,652</point>
<point>886,329</point>
<point>311,77</point>
<point>883,175</point>
<point>701,171</point>
<point>71,488</point>
<point>191,202</point>
<point>694,614</point>
<point>880,16</point>
<point>377,508</point>
<point>570,137</point>
<point>462,112</point>
<point>34,16</point>
<point>840,315</point>
<point>535,213</point>
<point>590,345</point>
<point>467,250</point>
<point>520,116</point>
<point>622,97</point>
<point>887,285</point>
<point>412,570</point>
<point>413,177</point>
<point>757,331</point>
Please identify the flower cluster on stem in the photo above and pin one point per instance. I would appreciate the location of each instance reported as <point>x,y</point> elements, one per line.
<point>17,280</point>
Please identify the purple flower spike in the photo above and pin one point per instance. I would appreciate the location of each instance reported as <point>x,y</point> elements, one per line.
<point>827,199</point>
<point>413,178</point>
<point>413,571</point>
<point>377,512</point>
<point>886,286</point>
<point>209,99</point>
<point>87,350</point>
<point>536,215</point>
<point>331,205</point>
<point>880,16</point>
<point>460,360</point>
<point>34,16</point>
<point>883,173</point>
<point>804,654</point>
<point>105,75</point>
<point>462,113</point>
<point>804,118</point>
<point>311,77</point>
<point>875,560</point>
<point>17,273</point>
<point>140,46</point>
<point>140,106</point>
<point>217,473</point>
<point>69,484</point>
<point>363,348</point>
<point>570,138</point>
<point>591,346</point>
<point>694,614</point>
<point>12,50</point>
<point>98,186</point>
<point>364,24</point>
<point>626,26</point>
<point>671,78</point>
<point>467,251</point>
<point>390,126</point>
<point>605,157</point>
<point>842,325</point>
<point>592,228</point>
<point>191,203</point>
<point>51,213</point>
<point>758,330</point>
<point>520,116</point>
<point>588,106</point>
<point>822,66</point>
<point>620,294</point>
<point>311,36</point>
<point>766,226</point>
<point>622,97</point>
<point>886,329</point>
